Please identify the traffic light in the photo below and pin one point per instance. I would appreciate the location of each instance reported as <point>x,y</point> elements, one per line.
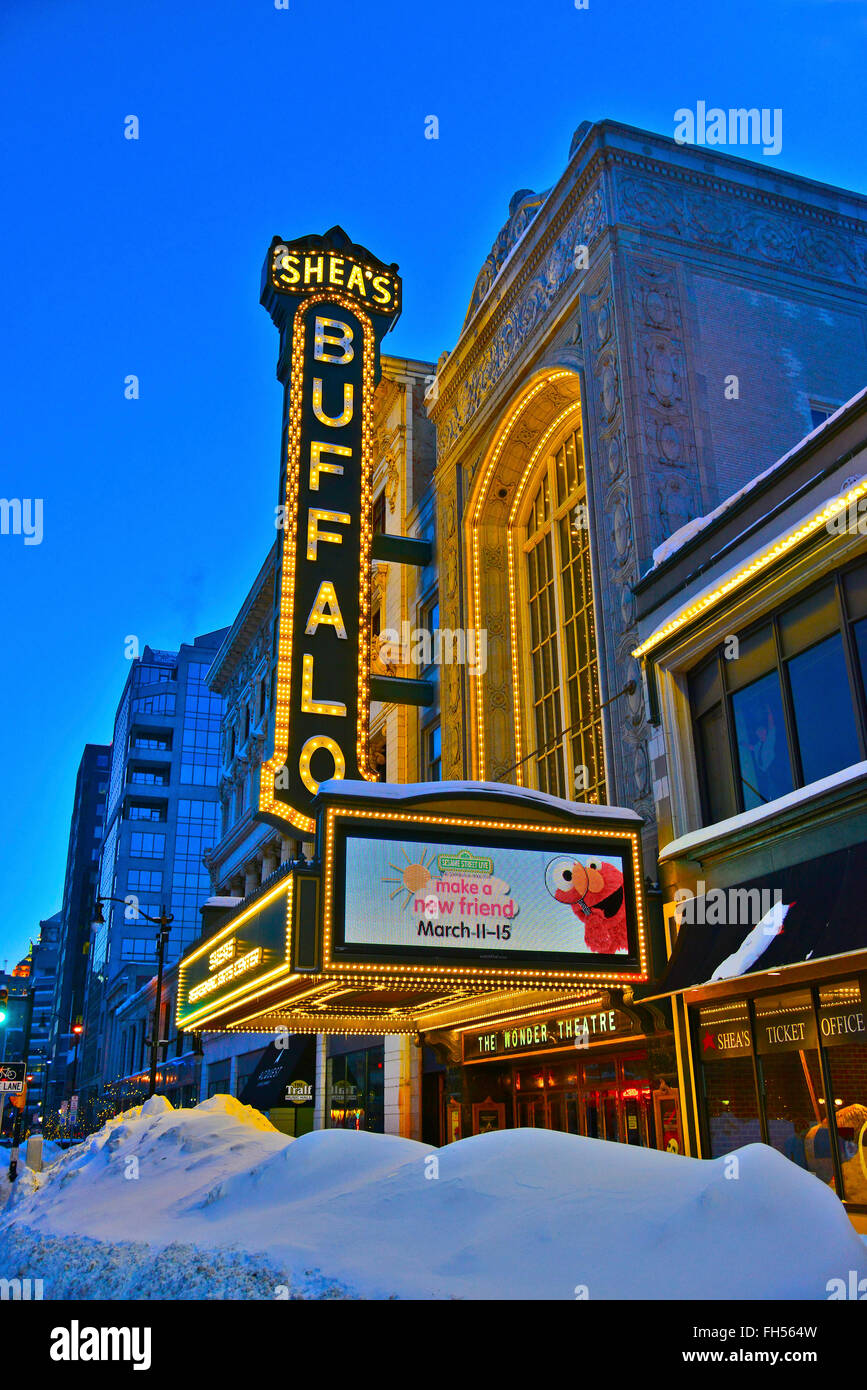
<point>4,1003</point>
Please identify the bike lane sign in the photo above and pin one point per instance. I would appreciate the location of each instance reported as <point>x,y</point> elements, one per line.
<point>12,1078</point>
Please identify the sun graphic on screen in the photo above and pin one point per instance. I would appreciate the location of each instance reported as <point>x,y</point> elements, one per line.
<point>414,878</point>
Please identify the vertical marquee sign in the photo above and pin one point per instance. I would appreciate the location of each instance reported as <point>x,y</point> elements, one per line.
<point>332,302</point>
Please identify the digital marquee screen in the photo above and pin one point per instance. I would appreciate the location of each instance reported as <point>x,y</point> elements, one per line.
<point>565,902</point>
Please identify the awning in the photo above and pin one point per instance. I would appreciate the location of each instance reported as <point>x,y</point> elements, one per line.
<point>277,1068</point>
<point>801,913</point>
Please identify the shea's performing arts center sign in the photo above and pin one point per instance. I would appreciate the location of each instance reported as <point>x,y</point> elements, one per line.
<point>417,899</point>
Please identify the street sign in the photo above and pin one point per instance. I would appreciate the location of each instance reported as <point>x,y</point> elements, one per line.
<point>12,1076</point>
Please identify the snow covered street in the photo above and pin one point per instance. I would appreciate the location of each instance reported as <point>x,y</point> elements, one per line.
<point>213,1203</point>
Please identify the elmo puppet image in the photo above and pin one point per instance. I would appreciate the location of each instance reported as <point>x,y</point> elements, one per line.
<point>594,891</point>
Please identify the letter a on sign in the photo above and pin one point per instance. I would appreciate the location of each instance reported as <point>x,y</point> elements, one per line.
<point>332,302</point>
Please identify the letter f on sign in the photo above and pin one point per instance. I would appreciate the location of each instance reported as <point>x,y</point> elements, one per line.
<point>314,535</point>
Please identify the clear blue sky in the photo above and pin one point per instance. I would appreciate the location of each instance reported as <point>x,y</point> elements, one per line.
<point>144,257</point>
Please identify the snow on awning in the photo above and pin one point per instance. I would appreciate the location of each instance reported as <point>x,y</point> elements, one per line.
<point>805,912</point>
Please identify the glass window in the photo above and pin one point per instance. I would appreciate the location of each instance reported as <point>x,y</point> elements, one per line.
<point>705,686</point>
<point>354,1090</point>
<point>145,846</point>
<point>764,767</point>
<point>807,622</point>
<point>789,699</point>
<point>855,590</point>
<point>144,777</point>
<point>152,743</point>
<point>197,832</point>
<point>791,1080</point>
<point>433,753</point>
<point>154,704</point>
<point>824,713</point>
<point>717,785</point>
<point>145,813</point>
<point>859,632</point>
<point>133,948</point>
<point>429,621</point>
<point>200,738</point>
<point>567,725</point>
<point>843,1030</point>
<point>724,1042</point>
<point>751,658</point>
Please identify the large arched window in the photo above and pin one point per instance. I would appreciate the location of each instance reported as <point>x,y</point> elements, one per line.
<point>564,681</point>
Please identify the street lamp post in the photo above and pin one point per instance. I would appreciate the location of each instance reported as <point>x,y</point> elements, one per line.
<point>19,1109</point>
<point>77,1029</point>
<point>164,922</point>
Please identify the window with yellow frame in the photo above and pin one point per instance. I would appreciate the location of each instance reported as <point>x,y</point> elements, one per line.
<point>562,675</point>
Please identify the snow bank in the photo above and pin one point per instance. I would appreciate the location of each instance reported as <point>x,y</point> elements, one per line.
<point>213,1202</point>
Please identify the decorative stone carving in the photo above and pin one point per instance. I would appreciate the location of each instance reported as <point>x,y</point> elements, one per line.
<point>523,207</point>
<point>732,217</point>
<point>613,543</point>
<point>392,482</point>
<point>555,267</point>
<point>674,505</point>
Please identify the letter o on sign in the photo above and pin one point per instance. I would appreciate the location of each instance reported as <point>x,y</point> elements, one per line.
<point>310,747</point>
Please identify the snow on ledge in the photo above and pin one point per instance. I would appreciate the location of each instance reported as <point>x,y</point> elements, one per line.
<point>405,791</point>
<point>685,533</point>
<point>682,847</point>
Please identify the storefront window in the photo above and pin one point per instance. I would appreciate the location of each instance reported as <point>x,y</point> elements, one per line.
<point>792,1043</point>
<point>844,1038</point>
<point>790,1074</point>
<point>354,1090</point>
<point>725,1049</point>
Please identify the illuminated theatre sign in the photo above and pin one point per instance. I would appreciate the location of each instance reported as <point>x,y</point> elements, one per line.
<point>418,899</point>
<point>419,891</point>
<point>332,302</point>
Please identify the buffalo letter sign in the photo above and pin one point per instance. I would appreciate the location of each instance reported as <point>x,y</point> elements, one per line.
<point>332,302</point>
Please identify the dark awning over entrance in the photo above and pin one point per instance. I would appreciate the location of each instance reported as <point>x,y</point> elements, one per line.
<point>277,1067</point>
<point>826,901</point>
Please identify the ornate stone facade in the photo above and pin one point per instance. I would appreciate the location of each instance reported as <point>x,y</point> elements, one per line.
<point>639,285</point>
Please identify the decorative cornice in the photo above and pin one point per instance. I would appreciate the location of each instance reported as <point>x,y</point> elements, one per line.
<point>473,339</point>
<point>254,610</point>
<point>539,238</point>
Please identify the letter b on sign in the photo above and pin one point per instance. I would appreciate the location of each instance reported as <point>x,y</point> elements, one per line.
<point>332,333</point>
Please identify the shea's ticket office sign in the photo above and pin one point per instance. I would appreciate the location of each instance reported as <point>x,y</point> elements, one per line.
<point>332,302</point>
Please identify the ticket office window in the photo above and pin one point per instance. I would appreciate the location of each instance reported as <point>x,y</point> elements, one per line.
<point>790,1081</point>
<point>768,1069</point>
<point>844,1044</point>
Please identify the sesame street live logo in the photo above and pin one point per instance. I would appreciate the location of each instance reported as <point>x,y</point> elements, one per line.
<point>464,863</point>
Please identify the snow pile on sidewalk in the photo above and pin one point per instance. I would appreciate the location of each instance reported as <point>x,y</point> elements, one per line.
<point>215,1203</point>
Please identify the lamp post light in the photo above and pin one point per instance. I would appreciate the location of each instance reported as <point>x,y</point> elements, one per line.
<point>20,1103</point>
<point>164,922</point>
